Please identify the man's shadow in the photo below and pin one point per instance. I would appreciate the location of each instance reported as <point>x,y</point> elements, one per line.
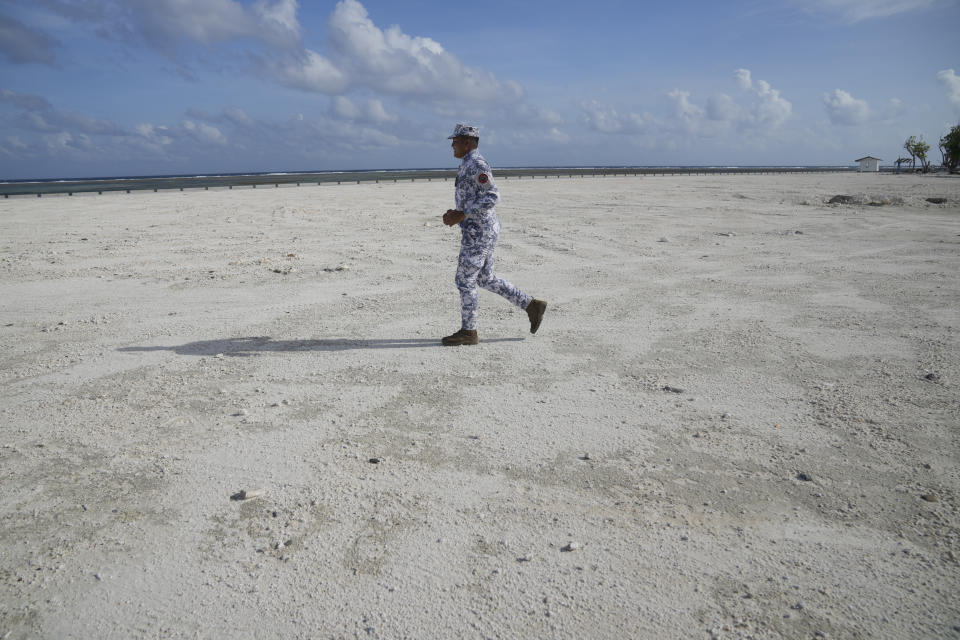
<point>246,347</point>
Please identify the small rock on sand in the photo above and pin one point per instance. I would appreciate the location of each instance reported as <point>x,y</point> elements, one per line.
<point>247,494</point>
<point>842,199</point>
<point>571,546</point>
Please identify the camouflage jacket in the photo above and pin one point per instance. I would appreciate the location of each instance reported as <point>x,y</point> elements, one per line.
<point>476,192</point>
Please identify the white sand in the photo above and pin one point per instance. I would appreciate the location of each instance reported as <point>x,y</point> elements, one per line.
<point>153,363</point>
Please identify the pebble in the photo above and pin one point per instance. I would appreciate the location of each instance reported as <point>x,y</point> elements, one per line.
<point>571,546</point>
<point>374,460</point>
<point>672,389</point>
<point>247,494</point>
<point>805,477</point>
<point>586,456</point>
<point>930,497</point>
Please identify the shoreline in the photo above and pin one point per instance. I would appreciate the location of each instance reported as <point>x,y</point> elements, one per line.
<point>38,188</point>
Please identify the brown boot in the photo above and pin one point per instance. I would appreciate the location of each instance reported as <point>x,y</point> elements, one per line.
<point>535,311</point>
<point>464,336</point>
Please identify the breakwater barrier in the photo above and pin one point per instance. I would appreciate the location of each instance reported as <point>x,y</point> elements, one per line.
<point>254,181</point>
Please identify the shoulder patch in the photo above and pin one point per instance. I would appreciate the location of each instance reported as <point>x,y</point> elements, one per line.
<point>483,178</point>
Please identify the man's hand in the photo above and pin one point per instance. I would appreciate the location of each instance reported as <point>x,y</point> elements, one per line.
<point>452,217</point>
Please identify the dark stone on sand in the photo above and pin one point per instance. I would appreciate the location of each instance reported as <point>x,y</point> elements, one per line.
<point>842,200</point>
<point>672,389</point>
<point>805,477</point>
<point>930,497</point>
<point>932,377</point>
<point>374,460</point>
<point>937,200</point>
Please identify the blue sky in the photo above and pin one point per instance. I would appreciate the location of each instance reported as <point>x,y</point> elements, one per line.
<point>137,87</point>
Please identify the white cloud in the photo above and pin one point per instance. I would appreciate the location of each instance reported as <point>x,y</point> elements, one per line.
<point>157,135</point>
<point>951,81</point>
<point>768,110</point>
<point>64,142</point>
<point>343,107</point>
<point>722,107</point>
<point>857,10</point>
<point>280,15</point>
<point>772,110</point>
<point>373,111</point>
<point>237,116</point>
<point>309,71</point>
<point>556,135</point>
<point>606,119</point>
<point>762,111</point>
<point>742,76</point>
<point>358,54</point>
<point>164,24</point>
<point>689,114</point>
<point>362,54</point>
<point>844,109</point>
<point>600,118</point>
<point>203,132</point>
<point>39,115</point>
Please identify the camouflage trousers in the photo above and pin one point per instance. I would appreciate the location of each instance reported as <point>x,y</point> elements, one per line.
<point>475,268</point>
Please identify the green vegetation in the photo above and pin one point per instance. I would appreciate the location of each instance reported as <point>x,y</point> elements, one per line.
<point>950,149</point>
<point>917,149</point>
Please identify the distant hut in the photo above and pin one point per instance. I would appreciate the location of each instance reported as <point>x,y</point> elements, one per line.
<point>869,163</point>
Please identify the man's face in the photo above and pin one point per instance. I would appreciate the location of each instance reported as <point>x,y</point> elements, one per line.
<point>461,146</point>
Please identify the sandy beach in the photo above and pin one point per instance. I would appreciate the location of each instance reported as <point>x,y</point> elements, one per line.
<point>739,419</point>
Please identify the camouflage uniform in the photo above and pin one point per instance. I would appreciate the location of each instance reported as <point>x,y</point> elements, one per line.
<point>476,195</point>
